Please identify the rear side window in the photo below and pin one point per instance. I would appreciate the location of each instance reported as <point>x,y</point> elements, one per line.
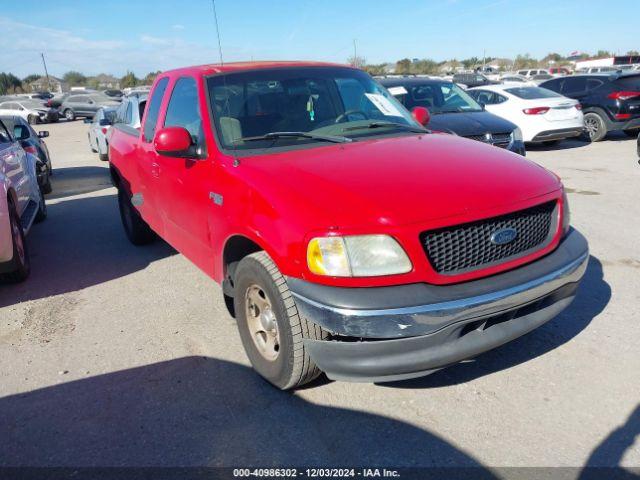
<point>154,109</point>
<point>574,85</point>
<point>532,93</point>
<point>184,111</point>
<point>628,83</point>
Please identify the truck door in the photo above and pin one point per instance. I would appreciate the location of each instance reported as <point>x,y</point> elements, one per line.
<point>187,184</point>
<point>145,193</point>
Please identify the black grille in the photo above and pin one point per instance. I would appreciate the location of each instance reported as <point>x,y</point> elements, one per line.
<point>497,139</point>
<point>460,248</point>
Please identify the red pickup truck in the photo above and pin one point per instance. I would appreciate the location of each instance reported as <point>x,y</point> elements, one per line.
<point>347,237</point>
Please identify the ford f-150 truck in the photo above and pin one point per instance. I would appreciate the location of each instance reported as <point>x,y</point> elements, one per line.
<point>347,237</point>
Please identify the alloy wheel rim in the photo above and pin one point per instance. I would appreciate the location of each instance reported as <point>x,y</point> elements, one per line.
<point>262,322</point>
<point>592,126</point>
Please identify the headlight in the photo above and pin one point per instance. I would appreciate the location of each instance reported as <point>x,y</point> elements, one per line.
<point>357,256</point>
<point>566,214</point>
<point>516,135</point>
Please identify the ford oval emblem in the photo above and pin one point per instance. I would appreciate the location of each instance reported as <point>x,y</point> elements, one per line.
<point>504,236</point>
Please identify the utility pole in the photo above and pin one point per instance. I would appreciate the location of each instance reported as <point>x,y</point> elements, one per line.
<point>45,72</point>
<point>355,53</point>
<point>484,60</point>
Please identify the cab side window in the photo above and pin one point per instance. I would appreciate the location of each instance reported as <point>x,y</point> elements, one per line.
<point>4,134</point>
<point>154,109</point>
<point>184,111</point>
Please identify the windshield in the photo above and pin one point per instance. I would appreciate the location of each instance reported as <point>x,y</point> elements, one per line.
<point>532,93</point>
<point>443,97</point>
<point>321,101</point>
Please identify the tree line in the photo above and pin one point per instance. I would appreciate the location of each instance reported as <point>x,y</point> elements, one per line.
<point>9,83</point>
<point>430,67</point>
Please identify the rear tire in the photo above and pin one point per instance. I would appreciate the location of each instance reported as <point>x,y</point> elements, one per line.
<point>32,119</point>
<point>20,264</point>
<point>262,300</point>
<point>595,128</point>
<point>42,209</point>
<point>47,188</point>
<point>137,230</point>
<point>69,115</point>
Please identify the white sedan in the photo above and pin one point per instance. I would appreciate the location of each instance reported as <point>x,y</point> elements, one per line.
<point>31,111</point>
<point>542,115</point>
<point>100,125</point>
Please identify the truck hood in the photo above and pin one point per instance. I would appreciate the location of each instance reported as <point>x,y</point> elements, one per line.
<point>398,180</point>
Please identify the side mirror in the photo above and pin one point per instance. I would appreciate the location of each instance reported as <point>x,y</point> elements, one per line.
<point>43,134</point>
<point>174,142</point>
<point>421,115</point>
<point>20,132</point>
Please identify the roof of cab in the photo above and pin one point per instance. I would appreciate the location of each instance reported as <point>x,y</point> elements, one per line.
<point>215,68</point>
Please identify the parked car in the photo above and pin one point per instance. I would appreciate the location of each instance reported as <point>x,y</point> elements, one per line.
<point>85,105</point>
<point>529,73</point>
<point>347,237</point>
<point>113,93</point>
<point>99,126</point>
<point>559,71</point>
<point>583,71</point>
<point>543,77</point>
<point>453,111</point>
<point>471,80</point>
<point>516,79</point>
<point>609,101</point>
<point>34,144</point>
<point>543,116</point>
<point>32,111</point>
<point>21,204</point>
<point>131,109</point>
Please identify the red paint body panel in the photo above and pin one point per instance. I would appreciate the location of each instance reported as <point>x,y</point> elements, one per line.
<point>399,186</point>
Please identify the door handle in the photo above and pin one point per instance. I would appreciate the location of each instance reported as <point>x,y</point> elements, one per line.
<point>155,169</point>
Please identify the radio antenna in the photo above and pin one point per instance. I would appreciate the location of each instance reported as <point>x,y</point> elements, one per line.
<point>215,17</point>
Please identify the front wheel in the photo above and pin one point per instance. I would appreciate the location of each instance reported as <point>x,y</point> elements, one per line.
<point>21,267</point>
<point>270,326</point>
<point>595,128</point>
<point>69,115</point>
<point>32,119</point>
<point>42,208</point>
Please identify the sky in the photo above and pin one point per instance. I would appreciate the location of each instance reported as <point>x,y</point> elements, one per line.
<point>114,36</point>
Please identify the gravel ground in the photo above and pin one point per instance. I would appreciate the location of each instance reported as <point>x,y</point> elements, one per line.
<point>124,356</point>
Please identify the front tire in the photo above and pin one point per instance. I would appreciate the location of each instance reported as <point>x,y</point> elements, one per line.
<point>32,119</point>
<point>42,209</point>
<point>270,326</point>
<point>69,115</point>
<point>21,266</point>
<point>137,230</point>
<point>595,128</point>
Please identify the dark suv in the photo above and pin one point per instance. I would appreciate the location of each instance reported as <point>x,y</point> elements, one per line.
<point>609,101</point>
<point>454,111</point>
<point>472,79</point>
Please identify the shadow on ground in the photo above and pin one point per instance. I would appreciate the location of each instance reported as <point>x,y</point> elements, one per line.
<point>197,411</point>
<point>80,244</point>
<point>593,296</point>
<point>78,180</point>
<point>566,144</point>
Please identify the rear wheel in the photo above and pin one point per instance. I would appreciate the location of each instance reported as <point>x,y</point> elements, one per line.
<point>595,128</point>
<point>20,265</point>
<point>271,329</point>
<point>137,230</point>
<point>32,119</point>
<point>69,115</point>
<point>42,209</point>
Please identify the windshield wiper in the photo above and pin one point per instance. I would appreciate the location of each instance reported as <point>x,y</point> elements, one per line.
<point>312,136</point>
<point>409,128</point>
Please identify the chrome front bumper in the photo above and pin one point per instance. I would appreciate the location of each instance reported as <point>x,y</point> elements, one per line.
<point>407,330</point>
